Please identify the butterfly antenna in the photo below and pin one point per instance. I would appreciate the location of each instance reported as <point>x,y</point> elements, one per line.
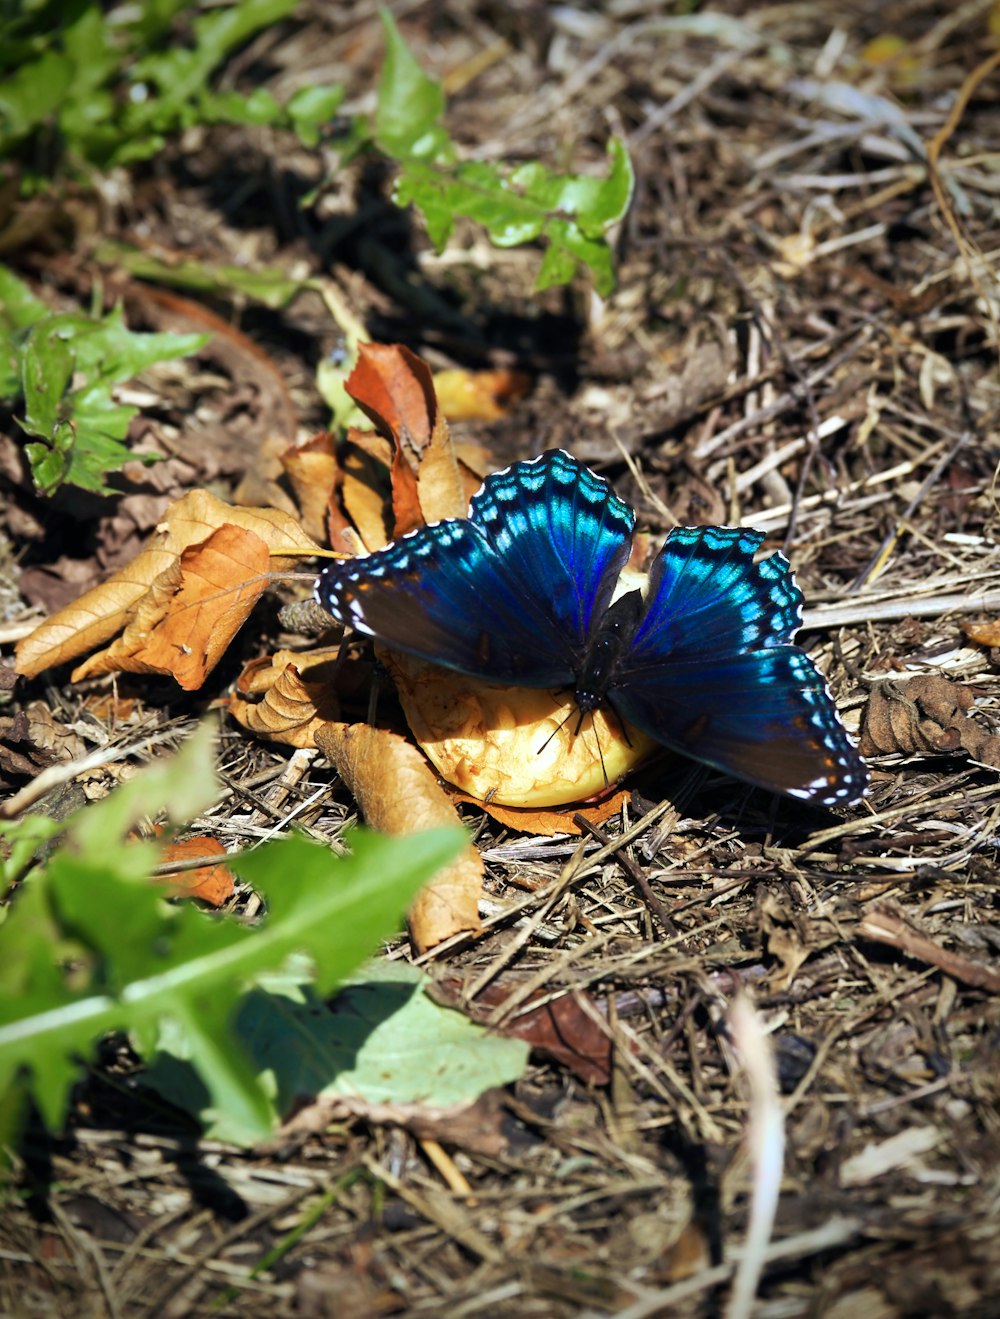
<point>600,749</point>
<point>558,729</point>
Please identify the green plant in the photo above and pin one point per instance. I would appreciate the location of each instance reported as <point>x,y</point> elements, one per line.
<point>92,90</point>
<point>569,213</point>
<point>104,88</point>
<point>64,368</point>
<point>90,946</point>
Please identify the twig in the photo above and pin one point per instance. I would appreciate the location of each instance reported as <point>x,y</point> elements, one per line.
<point>766,1138</point>
<point>880,611</point>
<point>886,927</point>
<point>634,872</point>
<point>836,1232</point>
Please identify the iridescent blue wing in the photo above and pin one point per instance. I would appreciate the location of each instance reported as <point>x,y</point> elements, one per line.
<point>508,595</point>
<point>564,537</point>
<point>711,671</point>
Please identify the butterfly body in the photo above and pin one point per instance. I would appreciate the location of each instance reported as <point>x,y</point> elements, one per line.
<point>522,593</point>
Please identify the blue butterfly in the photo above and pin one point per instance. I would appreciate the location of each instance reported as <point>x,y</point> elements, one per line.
<point>520,593</point>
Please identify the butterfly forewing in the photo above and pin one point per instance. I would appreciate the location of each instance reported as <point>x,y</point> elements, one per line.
<point>442,594</point>
<point>507,594</point>
<point>564,537</point>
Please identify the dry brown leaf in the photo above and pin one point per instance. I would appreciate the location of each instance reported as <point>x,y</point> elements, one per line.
<point>395,388</point>
<point>440,484</point>
<point>983,634</point>
<point>785,934</point>
<point>363,493</point>
<point>479,395</point>
<point>406,511</point>
<point>287,697</point>
<point>50,734</point>
<point>212,883</point>
<point>478,1126</point>
<point>100,613</point>
<point>550,820</point>
<point>185,622</point>
<point>398,794</point>
<point>561,1029</point>
<point>20,754</point>
<point>312,470</point>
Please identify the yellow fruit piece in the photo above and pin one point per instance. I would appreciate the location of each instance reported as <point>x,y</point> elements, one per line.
<point>513,745</point>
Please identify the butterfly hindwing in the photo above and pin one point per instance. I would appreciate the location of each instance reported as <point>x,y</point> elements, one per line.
<point>711,670</point>
<point>707,596</point>
<point>764,716</point>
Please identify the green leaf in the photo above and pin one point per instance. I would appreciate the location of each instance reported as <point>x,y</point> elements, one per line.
<point>370,1044</point>
<point>268,285</point>
<point>66,367</point>
<point>29,96</point>
<point>410,104</point>
<point>571,214</point>
<point>139,963</point>
<point>23,840</point>
<point>311,108</point>
<point>19,308</point>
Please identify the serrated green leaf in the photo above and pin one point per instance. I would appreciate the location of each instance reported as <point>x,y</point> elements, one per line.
<point>81,431</point>
<point>46,370</point>
<point>179,788</point>
<point>311,108</point>
<point>571,214</point>
<point>140,962</point>
<point>33,93</point>
<point>180,72</point>
<point>19,308</point>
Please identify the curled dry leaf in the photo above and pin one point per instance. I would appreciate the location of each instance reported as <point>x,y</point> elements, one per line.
<point>311,469</point>
<point>183,625</point>
<point>148,584</point>
<point>515,746</point>
<point>983,634</point>
<point>395,388</point>
<point>926,715</point>
<point>212,883</point>
<point>287,697</point>
<point>559,1028</point>
<point>551,820</point>
<point>362,484</point>
<point>398,794</point>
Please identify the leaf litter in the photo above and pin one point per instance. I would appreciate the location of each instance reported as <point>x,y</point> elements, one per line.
<point>839,265</point>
